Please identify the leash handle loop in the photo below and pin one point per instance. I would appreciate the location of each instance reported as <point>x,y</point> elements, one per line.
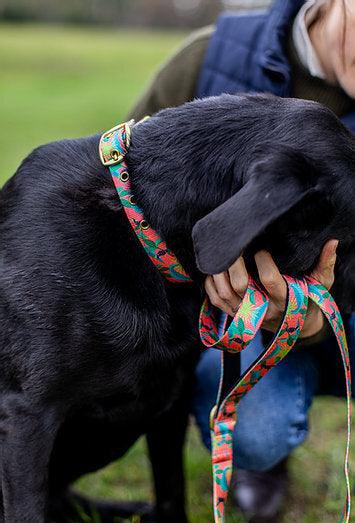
<point>244,325</point>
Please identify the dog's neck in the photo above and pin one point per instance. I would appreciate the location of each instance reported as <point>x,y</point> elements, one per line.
<point>172,202</point>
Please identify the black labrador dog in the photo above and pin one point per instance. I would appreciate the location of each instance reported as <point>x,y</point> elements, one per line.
<point>96,347</point>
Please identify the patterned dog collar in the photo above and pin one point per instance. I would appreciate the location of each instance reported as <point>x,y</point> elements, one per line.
<point>113,148</point>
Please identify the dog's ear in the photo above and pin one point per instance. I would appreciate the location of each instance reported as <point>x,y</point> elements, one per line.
<point>275,183</point>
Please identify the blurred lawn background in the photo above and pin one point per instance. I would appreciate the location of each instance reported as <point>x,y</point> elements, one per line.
<point>61,82</point>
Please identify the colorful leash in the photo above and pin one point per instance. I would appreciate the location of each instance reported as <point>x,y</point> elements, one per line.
<point>236,338</point>
<point>113,147</point>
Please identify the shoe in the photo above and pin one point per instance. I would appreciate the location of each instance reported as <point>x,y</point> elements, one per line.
<point>260,495</point>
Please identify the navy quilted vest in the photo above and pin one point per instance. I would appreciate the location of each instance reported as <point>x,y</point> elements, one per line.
<point>247,53</point>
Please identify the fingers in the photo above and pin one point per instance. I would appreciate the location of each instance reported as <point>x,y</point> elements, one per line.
<point>324,271</point>
<point>239,277</point>
<point>324,274</point>
<point>229,305</point>
<point>271,278</point>
<point>226,290</point>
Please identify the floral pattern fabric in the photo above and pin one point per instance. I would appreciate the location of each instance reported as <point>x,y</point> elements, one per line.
<point>113,148</point>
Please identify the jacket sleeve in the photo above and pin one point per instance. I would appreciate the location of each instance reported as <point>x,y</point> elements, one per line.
<point>175,81</point>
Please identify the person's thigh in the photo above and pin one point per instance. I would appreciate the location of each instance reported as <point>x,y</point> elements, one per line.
<point>272,417</point>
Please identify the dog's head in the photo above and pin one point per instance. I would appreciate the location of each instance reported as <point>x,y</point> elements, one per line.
<point>297,192</point>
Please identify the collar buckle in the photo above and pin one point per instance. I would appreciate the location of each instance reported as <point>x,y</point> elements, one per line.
<point>114,144</point>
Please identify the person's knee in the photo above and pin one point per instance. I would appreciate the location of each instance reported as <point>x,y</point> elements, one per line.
<point>254,453</point>
<point>262,448</point>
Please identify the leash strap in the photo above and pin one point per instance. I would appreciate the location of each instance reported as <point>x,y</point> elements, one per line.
<point>319,295</point>
<point>224,414</point>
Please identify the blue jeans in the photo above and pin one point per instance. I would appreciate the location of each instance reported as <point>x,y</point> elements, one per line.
<point>273,416</point>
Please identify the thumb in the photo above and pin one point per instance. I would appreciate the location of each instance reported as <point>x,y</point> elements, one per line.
<point>324,271</point>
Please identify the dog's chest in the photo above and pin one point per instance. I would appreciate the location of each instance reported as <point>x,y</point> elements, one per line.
<point>152,397</point>
<point>144,369</point>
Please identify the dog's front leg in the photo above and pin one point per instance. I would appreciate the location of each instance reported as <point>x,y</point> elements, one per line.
<point>28,433</point>
<point>165,443</point>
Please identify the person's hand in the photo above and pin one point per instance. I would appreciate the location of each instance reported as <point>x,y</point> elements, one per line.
<point>226,290</point>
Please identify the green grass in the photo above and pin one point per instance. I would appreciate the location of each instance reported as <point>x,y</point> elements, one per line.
<point>316,469</point>
<point>57,83</point>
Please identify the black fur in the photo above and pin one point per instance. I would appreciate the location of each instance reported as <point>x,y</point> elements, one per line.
<point>96,347</point>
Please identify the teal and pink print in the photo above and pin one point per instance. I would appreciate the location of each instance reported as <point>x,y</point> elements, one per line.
<point>113,147</point>
<point>236,338</point>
